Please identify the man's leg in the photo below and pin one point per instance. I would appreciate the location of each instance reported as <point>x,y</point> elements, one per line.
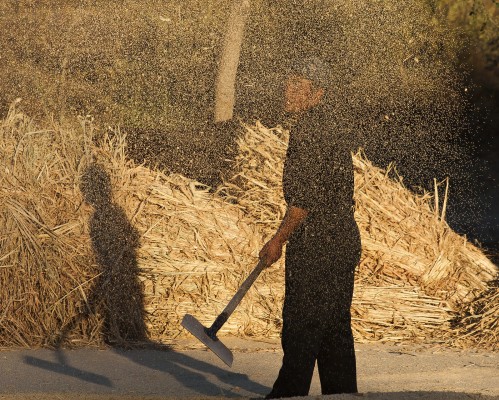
<point>336,358</point>
<point>336,363</point>
<point>299,344</point>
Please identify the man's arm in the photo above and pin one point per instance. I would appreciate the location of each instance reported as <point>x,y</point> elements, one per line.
<point>272,250</point>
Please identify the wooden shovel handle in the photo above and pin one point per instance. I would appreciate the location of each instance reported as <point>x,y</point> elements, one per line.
<point>236,299</point>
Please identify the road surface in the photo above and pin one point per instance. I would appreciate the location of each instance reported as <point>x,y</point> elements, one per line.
<point>187,371</point>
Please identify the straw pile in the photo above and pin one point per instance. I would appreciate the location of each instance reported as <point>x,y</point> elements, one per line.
<point>414,268</point>
<point>478,323</point>
<point>405,238</point>
<point>45,256</point>
<point>197,247</point>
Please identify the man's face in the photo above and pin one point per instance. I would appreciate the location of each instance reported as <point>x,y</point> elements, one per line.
<point>301,94</point>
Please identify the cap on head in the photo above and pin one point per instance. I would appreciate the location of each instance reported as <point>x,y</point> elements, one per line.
<point>313,68</point>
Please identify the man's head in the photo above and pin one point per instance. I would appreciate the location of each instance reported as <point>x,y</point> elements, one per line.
<point>306,84</point>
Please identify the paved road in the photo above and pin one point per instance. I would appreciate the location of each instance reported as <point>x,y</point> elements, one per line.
<point>388,372</point>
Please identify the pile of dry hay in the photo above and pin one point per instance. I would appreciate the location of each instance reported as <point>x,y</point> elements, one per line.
<point>415,273</point>
<point>478,322</point>
<point>197,247</point>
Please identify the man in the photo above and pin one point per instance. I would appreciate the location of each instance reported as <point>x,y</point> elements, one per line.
<point>323,242</point>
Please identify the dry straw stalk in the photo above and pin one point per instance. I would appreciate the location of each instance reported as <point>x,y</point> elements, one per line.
<point>196,247</point>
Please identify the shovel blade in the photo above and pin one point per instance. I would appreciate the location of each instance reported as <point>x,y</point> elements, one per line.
<point>216,346</point>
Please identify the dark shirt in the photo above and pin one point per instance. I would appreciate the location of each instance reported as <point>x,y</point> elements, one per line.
<point>318,170</point>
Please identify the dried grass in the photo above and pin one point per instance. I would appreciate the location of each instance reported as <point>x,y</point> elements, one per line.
<point>405,239</point>
<point>197,247</point>
<point>421,271</point>
<point>478,323</point>
<point>46,261</point>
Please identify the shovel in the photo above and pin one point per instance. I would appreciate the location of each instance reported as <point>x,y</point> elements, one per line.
<point>208,336</point>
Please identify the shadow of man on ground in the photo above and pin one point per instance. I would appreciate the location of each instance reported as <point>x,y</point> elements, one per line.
<point>197,375</point>
<point>61,366</point>
<point>156,369</point>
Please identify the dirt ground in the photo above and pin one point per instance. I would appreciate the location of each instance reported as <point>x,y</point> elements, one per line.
<point>188,371</point>
<point>367,396</point>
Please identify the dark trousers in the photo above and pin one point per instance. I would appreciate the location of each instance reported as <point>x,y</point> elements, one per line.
<point>316,315</point>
